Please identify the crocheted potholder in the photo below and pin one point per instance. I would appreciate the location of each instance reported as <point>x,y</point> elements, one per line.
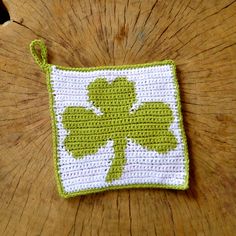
<point>115,126</point>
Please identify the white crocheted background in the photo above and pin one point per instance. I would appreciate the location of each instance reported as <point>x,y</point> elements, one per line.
<point>154,83</point>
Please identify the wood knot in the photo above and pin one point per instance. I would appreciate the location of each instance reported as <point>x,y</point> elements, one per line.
<point>122,34</point>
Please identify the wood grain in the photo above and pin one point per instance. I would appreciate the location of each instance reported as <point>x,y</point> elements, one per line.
<point>199,35</point>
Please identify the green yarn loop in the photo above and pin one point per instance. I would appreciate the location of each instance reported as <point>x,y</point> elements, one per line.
<point>40,57</point>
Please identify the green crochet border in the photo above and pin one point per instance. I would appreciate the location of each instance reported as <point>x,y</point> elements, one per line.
<point>63,193</point>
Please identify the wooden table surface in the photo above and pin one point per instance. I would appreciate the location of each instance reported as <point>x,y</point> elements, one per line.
<point>199,35</point>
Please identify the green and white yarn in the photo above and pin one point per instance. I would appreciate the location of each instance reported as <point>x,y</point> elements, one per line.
<point>115,126</point>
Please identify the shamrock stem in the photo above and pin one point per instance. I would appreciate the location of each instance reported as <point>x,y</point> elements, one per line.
<point>118,161</point>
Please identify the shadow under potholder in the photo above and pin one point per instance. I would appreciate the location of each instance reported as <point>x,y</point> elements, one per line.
<point>115,126</point>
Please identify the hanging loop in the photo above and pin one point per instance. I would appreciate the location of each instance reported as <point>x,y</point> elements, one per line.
<point>40,56</point>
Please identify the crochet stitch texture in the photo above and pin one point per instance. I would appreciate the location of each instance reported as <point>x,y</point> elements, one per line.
<point>115,126</point>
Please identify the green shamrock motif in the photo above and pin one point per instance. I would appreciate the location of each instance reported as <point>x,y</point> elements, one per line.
<point>147,126</point>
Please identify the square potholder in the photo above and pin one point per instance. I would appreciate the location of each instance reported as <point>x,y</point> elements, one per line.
<point>115,126</point>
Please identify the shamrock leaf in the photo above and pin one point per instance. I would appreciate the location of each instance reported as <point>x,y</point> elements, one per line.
<point>148,126</point>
